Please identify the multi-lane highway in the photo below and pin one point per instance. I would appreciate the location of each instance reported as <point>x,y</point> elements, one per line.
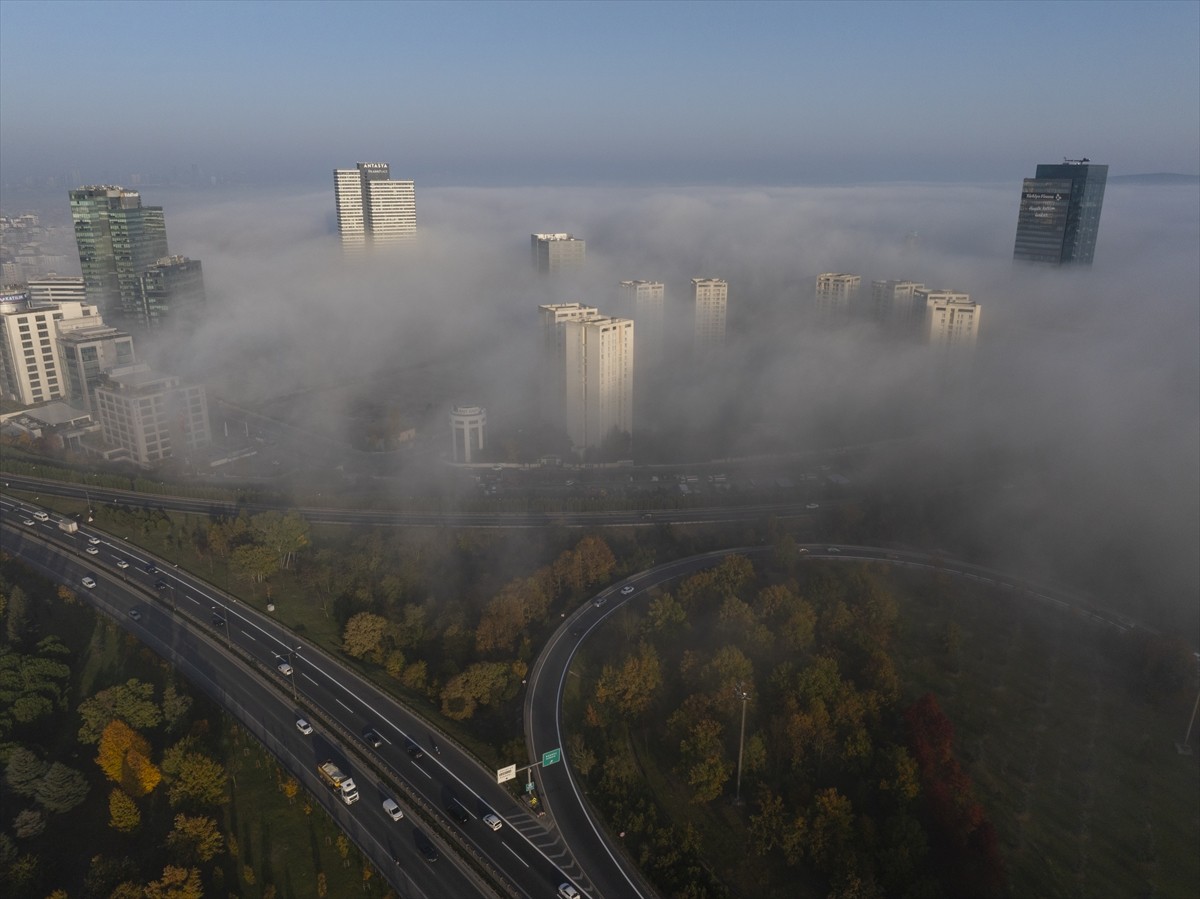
<point>267,677</point>
<point>236,654</point>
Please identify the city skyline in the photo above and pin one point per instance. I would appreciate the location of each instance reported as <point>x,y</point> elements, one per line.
<point>208,111</point>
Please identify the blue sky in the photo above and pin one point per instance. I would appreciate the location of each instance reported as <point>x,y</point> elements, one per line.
<point>584,93</point>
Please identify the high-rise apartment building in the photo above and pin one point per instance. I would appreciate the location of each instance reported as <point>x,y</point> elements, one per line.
<point>598,357</point>
<point>951,320</point>
<point>171,293</point>
<point>372,209</point>
<point>836,295</point>
<point>30,368</point>
<point>892,304</point>
<point>710,297</point>
<point>1060,213</point>
<point>118,239</point>
<point>554,253</point>
<point>644,302</point>
<point>552,365</point>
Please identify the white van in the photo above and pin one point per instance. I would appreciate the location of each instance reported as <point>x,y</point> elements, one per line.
<point>393,810</point>
<point>41,516</point>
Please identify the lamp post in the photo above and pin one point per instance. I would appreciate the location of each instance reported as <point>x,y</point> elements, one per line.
<point>744,696</point>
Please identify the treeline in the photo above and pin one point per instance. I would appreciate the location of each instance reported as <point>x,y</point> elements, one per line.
<point>479,659</point>
<point>139,755</point>
<point>848,791</point>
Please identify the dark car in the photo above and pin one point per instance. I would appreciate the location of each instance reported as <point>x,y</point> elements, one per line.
<point>372,737</point>
<point>160,585</point>
<point>414,750</point>
<point>151,568</point>
<point>429,851</point>
<point>217,620</point>
<point>458,813</point>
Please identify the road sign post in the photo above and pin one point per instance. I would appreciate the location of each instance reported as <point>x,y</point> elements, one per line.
<point>553,757</point>
<point>506,774</point>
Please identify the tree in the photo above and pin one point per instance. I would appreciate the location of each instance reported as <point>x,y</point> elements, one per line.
<point>124,757</point>
<point>284,535</point>
<point>176,883</point>
<point>28,823</point>
<point>24,771</point>
<point>255,563</point>
<point>123,814</point>
<point>363,636</point>
<point>704,760</point>
<point>18,622</point>
<point>62,788</point>
<point>132,702</point>
<point>484,683</point>
<point>195,839</point>
<point>200,781</point>
<point>665,615</point>
<point>631,688</point>
<point>175,706</point>
<point>830,829</point>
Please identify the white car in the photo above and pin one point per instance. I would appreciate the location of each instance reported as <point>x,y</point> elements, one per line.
<point>833,549</point>
<point>566,891</point>
<point>394,811</point>
<point>627,589</point>
<point>28,522</point>
<point>285,669</point>
<point>88,582</point>
<point>95,541</point>
<point>303,726</point>
<point>813,506</point>
<point>493,821</point>
<point>92,551</point>
<point>135,614</point>
<point>121,563</point>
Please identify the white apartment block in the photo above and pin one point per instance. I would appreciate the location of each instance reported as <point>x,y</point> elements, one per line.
<point>553,253</point>
<point>54,288</point>
<point>390,210</point>
<point>598,356</point>
<point>892,303</point>
<point>371,207</point>
<point>645,303</point>
<point>151,416</point>
<point>710,297</point>
<point>951,320</point>
<point>553,317</point>
<point>347,193</point>
<point>836,293</point>
<point>30,370</point>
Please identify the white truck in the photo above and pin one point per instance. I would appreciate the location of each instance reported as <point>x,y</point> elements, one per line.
<point>68,525</point>
<point>333,776</point>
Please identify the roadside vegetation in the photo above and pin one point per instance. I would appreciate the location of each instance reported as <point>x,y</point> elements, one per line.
<point>117,781</point>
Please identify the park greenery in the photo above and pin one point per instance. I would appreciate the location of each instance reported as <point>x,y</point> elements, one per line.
<point>867,768</point>
<point>115,780</point>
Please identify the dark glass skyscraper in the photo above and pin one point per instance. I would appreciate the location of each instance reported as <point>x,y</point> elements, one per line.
<point>118,239</point>
<point>1060,213</point>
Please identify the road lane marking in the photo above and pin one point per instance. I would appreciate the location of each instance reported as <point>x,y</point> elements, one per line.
<point>343,705</point>
<point>430,776</point>
<point>514,852</point>
<point>309,679</point>
<point>251,636</point>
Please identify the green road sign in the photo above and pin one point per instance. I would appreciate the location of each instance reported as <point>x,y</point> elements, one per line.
<point>553,757</point>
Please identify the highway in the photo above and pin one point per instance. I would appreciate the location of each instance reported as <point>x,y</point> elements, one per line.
<point>234,653</point>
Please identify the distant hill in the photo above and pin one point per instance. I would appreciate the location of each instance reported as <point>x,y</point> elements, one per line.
<point>1155,178</point>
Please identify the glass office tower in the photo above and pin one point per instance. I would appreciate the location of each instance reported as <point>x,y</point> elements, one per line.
<point>118,239</point>
<point>1060,213</point>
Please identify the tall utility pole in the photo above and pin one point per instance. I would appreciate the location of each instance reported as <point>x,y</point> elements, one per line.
<point>744,697</point>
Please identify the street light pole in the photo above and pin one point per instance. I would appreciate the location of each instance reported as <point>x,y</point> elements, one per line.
<point>743,696</point>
